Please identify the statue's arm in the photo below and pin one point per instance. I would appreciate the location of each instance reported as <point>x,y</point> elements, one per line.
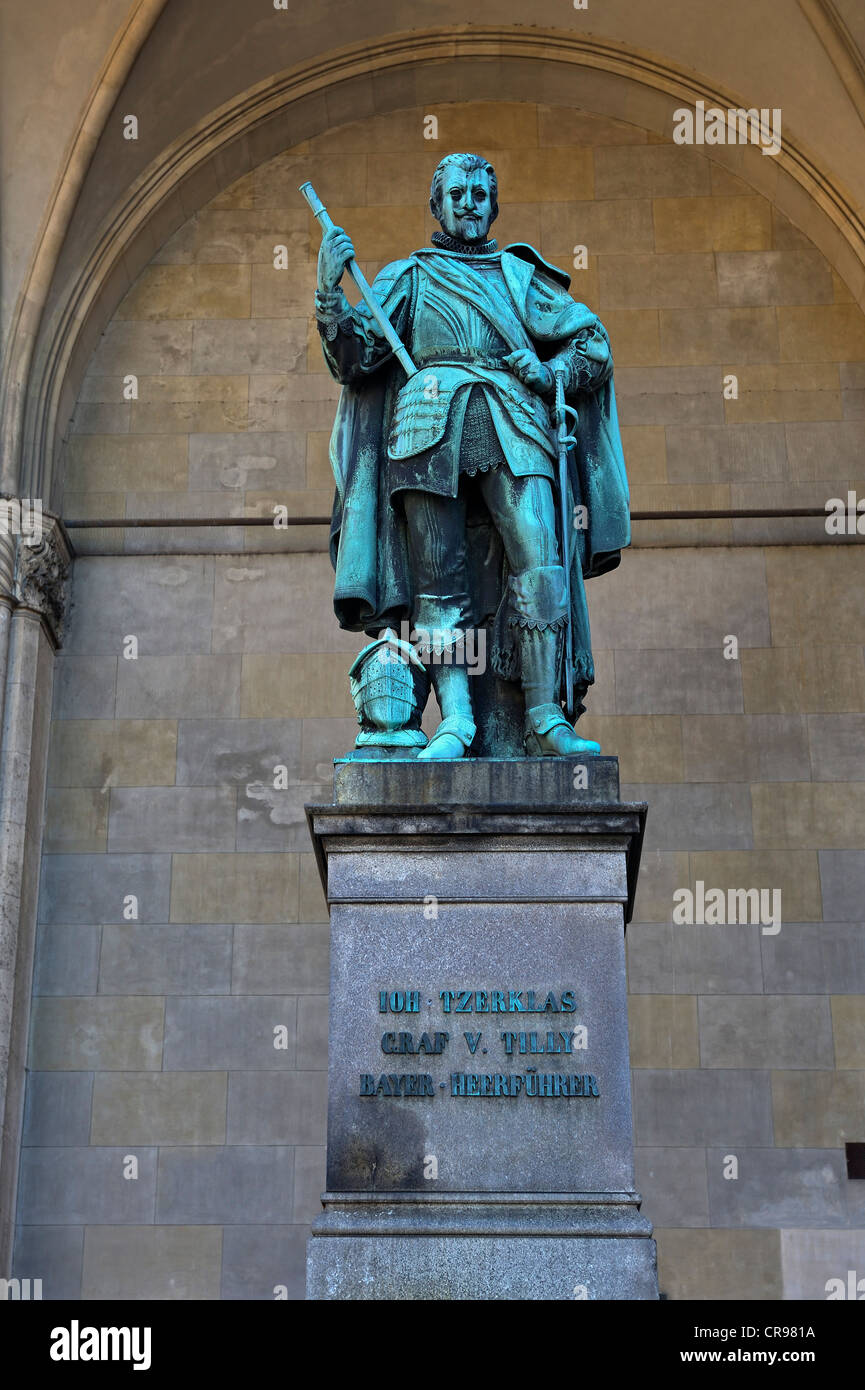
<point>350,338</point>
<point>579,340</point>
<point>586,359</point>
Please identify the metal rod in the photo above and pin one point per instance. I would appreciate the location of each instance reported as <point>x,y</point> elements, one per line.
<point>131,523</point>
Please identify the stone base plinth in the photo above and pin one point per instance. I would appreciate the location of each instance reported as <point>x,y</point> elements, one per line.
<point>479,1111</point>
<point>550,1246</point>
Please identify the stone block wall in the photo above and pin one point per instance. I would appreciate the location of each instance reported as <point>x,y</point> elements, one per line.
<point>153,1034</point>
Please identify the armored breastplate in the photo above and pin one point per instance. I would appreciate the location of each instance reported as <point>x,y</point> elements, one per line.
<point>455,345</point>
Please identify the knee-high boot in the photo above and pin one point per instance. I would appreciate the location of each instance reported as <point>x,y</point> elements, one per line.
<point>540,612</point>
<point>454,735</point>
<point>547,731</point>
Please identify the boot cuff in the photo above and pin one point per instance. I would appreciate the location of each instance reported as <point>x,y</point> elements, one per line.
<point>537,597</point>
<point>440,623</point>
<point>545,717</point>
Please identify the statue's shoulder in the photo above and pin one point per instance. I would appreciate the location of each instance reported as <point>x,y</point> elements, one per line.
<point>524,252</point>
<point>394,269</point>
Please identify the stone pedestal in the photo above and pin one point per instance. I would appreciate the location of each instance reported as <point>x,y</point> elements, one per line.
<point>479,1118</point>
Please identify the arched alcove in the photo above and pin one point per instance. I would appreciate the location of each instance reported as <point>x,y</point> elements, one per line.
<point>561,69</point>
<point>737,345</point>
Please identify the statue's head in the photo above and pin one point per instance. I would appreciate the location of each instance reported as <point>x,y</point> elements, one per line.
<point>464,197</point>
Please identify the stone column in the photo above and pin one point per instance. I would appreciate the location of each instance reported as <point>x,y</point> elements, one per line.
<point>34,603</point>
<point>479,1119</point>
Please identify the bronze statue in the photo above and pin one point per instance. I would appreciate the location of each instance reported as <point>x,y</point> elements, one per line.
<point>452,462</point>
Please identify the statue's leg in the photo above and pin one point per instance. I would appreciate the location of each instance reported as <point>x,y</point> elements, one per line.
<point>441,612</point>
<point>524,513</point>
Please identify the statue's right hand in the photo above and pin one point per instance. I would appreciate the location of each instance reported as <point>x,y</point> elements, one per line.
<point>336,249</point>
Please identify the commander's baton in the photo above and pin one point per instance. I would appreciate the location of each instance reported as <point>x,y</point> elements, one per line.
<point>319,211</point>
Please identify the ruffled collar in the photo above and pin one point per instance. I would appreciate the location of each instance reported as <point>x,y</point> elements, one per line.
<point>449,243</point>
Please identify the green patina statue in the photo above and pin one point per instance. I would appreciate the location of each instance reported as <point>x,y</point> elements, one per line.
<point>463,519</point>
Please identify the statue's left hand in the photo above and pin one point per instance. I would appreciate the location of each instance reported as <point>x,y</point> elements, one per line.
<point>530,370</point>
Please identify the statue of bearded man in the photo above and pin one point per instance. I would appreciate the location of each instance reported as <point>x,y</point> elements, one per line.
<point>445,514</point>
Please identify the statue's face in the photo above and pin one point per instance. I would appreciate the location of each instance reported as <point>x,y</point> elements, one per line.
<point>466,211</point>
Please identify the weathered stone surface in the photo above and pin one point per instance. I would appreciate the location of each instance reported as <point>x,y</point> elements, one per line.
<point>57,1112</point>
<point>86,1186</point>
<point>792,1031</point>
<point>91,888</point>
<point>702,1107</point>
<point>84,687</point>
<point>483,781</point>
<point>165,603</point>
<point>167,687</point>
<point>663,1030</point>
<point>682,598</point>
<point>245,589</point>
<point>822,957</point>
<point>52,1254</point>
<point>240,1184</point>
<point>673,1184</point>
<point>165,960</point>
<point>288,958</point>
<point>242,461</point>
<point>473,1268</point>
<point>113,753</point>
<point>817,1109</point>
<point>236,752</point>
<point>735,453</point>
<point>778,1187</point>
<point>276,1108</point>
<point>230,1034</point>
<point>152,1263</point>
<point>172,818</point>
<point>848,1029</point>
<point>703,682</point>
<point>159,1108</point>
<point>234,888</point>
<point>76,820</point>
<point>67,960</point>
<point>662,171</point>
<point>728,1265</point>
<point>110,1035</point>
<point>309,1181</point>
<point>809,678</point>
<point>258,1261</point>
<point>695,816</point>
<point>809,1259</point>
<point>745,748</point>
<point>498,875</point>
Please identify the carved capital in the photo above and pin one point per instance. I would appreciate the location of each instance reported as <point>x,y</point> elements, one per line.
<point>41,577</point>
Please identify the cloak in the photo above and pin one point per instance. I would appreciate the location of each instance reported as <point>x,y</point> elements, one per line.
<point>368,544</point>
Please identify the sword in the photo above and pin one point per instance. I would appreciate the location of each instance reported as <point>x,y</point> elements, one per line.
<point>566,442</point>
<point>319,211</point>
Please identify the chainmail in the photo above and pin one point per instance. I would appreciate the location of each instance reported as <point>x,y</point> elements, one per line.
<point>480,449</point>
